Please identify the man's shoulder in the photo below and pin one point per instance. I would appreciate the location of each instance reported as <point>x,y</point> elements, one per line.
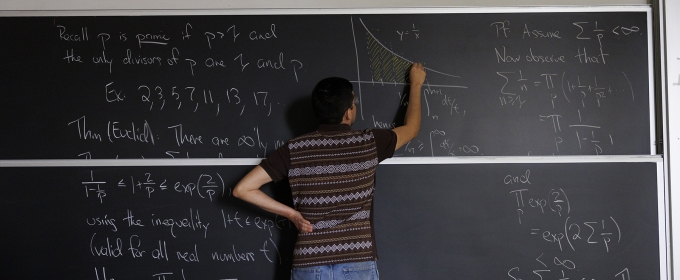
<point>381,133</point>
<point>365,133</point>
<point>302,137</point>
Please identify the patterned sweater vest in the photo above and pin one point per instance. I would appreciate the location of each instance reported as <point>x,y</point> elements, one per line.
<point>332,180</point>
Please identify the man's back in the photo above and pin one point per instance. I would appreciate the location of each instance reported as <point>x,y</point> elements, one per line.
<point>332,181</point>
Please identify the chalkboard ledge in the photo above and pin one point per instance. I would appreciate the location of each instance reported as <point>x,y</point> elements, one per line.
<point>255,161</point>
<point>313,11</point>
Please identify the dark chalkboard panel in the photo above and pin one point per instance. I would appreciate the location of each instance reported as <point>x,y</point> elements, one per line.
<point>519,221</point>
<point>475,221</point>
<point>237,86</point>
<point>138,223</point>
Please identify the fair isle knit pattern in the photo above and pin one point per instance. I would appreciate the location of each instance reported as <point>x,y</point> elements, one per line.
<point>329,142</point>
<point>330,169</point>
<point>333,248</point>
<point>332,181</point>
<point>333,199</point>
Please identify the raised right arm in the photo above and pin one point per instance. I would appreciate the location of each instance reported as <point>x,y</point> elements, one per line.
<point>409,130</point>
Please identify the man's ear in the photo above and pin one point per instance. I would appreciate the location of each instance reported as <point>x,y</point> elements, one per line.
<point>348,115</point>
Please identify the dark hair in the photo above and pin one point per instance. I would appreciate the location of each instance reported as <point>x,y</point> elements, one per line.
<point>331,98</point>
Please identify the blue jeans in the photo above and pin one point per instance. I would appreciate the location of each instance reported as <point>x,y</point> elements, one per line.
<point>343,271</point>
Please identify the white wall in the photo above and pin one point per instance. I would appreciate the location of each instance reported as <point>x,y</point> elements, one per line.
<point>671,34</point>
<point>244,4</point>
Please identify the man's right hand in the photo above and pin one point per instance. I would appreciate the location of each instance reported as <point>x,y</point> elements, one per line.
<point>417,74</point>
<point>409,130</point>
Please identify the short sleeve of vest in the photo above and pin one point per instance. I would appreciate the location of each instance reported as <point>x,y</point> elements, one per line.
<point>385,141</point>
<point>277,163</point>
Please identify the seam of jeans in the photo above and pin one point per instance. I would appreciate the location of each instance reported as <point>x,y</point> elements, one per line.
<point>360,268</point>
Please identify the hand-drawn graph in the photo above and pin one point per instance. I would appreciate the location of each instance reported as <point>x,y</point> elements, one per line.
<point>477,104</point>
<point>386,66</point>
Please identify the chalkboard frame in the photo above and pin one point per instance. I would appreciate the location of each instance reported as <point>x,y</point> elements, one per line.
<point>662,191</point>
<point>329,11</point>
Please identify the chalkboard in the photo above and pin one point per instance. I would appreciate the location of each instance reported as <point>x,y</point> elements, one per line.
<point>521,221</point>
<point>139,223</point>
<point>571,82</point>
<point>452,221</point>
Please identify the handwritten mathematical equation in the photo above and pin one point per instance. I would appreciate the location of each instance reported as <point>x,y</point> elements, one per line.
<point>206,186</point>
<point>409,33</point>
<point>236,48</point>
<point>440,145</point>
<point>171,54</point>
<point>574,92</point>
<point>563,88</point>
<point>584,30</point>
<point>438,96</point>
<point>100,274</point>
<point>155,38</point>
<point>585,134</point>
<point>191,220</point>
<point>138,246</point>
<point>192,99</point>
<point>449,146</point>
<point>143,132</point>
<point>604,233</point>
<point>571,236</point>
<point>558,269</point>
<point>556,201</point>
<point>116,248</point>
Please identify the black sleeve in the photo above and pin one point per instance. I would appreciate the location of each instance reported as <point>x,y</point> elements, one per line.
<point>277,163</point>
<point>385,141</point>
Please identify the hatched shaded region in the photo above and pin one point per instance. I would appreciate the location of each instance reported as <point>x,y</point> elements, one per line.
<point>386,66</point>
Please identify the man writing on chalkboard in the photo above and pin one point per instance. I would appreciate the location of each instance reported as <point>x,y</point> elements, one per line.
<point>331,172</point>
